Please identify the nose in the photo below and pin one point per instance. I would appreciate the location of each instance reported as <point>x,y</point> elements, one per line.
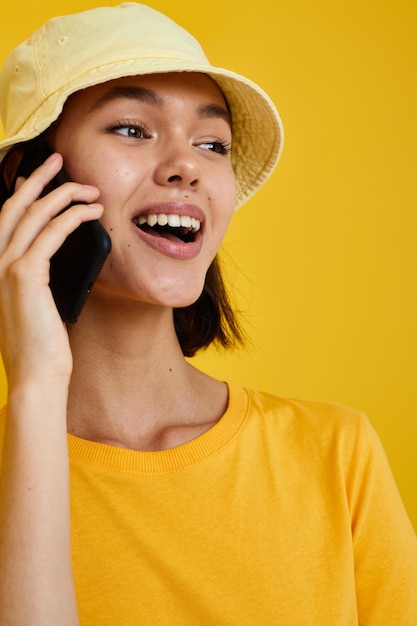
<point>178,167</point>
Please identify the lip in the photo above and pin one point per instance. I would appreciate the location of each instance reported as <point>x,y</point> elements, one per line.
<point>174,249</point>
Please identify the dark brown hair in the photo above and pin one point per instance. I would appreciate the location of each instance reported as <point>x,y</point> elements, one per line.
<point>211,318</point>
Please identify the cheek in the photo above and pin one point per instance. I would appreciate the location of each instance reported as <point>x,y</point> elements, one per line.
<point>229,191</point>
<point>114,179</point>
<point>88,163</point>
<point>85,167</point>
<point>226,193</point>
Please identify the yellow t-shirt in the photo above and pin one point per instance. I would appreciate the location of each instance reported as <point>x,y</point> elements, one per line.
<point>284,513</point>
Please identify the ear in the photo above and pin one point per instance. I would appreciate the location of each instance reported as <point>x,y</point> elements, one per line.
<point>10,166</point>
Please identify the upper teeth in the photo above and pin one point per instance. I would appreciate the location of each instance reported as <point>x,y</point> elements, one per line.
<point>175,221</point>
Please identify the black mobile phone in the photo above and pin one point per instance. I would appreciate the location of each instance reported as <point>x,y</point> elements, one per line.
<point>76,265</point>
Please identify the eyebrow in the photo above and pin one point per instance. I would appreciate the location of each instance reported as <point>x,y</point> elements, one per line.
<point>214,111</point>
<point>140,94</point>
<point>149,96</point>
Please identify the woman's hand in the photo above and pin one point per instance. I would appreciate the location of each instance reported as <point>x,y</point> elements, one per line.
<point>32,336</point>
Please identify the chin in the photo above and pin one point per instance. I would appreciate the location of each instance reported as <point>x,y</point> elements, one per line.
<point>181,300</point>
<point>168,288</point>
<point>169,297</point>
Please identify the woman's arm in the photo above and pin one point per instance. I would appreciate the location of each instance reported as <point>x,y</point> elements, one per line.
<point>36,584</point>
<point>35,570</point>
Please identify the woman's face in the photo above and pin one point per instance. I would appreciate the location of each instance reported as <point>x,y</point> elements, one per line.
<point>158,149</point>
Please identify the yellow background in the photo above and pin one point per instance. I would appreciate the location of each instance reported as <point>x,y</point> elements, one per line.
<point>323,260</point>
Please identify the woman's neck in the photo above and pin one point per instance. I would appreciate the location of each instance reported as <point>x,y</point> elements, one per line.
<point>132,387</point>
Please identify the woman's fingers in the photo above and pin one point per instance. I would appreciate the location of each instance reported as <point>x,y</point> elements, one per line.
<point>27,191</point>
<point>43,213</point>
<point>24,216</point>
<point>49,237</point>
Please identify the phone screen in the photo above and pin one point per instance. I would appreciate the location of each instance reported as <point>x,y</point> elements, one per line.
<point>76,265</point>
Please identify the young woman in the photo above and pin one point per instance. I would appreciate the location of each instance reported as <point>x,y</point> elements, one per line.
<point>135,489</point>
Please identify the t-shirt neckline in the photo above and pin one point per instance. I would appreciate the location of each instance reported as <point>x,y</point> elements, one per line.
<point>179,458</point>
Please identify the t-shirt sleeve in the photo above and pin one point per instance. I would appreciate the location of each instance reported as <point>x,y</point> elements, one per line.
<point>384,542</point>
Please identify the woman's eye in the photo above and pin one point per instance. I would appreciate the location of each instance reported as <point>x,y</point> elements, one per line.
<point>129,130</point>
<point>219,147</point>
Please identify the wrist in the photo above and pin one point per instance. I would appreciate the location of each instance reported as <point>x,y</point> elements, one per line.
<point>38,396</point>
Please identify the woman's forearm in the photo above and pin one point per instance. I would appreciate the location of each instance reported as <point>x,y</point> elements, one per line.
<point>36,586</point>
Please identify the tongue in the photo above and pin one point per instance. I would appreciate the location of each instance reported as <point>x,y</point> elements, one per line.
<point>169,235</point>
<point>166,234</point>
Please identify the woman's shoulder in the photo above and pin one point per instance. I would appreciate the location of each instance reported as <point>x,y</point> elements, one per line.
<point>270,406</point>
<point>319,423</point>
<point>311,434</point>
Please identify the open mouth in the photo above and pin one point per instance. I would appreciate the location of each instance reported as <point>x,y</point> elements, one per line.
<point>174,227</point>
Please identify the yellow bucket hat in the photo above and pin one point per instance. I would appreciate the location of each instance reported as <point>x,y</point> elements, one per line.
<point>72,52</point>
